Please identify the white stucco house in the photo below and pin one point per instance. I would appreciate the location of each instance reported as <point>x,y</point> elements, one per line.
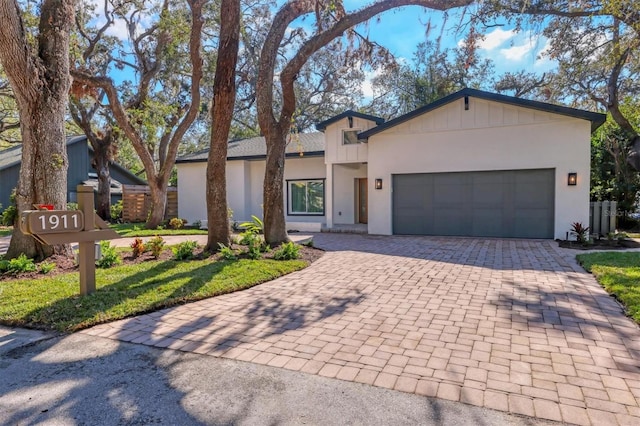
<point>471,164</point>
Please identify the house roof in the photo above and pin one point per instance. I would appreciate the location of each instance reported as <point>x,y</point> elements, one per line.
<point>349,113</point>
<point>309,144</point>
<point>12,156</point>
<point>595,118</point>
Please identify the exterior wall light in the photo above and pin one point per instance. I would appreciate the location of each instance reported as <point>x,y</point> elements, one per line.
<point>572,179</point>
<point>378,183</point>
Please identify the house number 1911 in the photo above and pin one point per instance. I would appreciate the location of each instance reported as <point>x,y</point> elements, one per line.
<point>54,221</point>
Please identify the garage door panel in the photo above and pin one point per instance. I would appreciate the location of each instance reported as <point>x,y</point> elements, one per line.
<point>514,203</point>
<point>487,223</point>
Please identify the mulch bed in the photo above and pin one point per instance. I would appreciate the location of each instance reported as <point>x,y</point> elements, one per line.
<point>67,264</point>
<point>600,245</point>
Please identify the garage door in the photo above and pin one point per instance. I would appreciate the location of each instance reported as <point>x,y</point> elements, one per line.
<point>512,204</point>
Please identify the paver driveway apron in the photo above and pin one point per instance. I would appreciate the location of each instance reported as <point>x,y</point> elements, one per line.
<point>513,325</point>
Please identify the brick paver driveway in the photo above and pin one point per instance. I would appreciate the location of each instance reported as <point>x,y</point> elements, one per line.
<point>512,325</point>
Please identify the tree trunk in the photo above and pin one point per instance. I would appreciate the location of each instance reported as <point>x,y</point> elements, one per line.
<point>275,229</point>
<point>40,80</point>
<point>224,93</point>
<point>101,164</point>
<point>158,204</point>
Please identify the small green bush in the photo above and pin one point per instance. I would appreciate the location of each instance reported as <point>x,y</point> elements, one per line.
<point>10,214</point>
<point>21,264</point>
<point>109,257</point>
<point>227,253</point>
<point>4,266</point>
<point>184,250</point>
<point>255,226</point>
<point>176,223</point>
<point>72,206</point>
<point>46,267</point>
<point>287,251</point>
<point>156,245</point>
<point>197,224</point>
<point>254,252</point>
<point>116,211</point>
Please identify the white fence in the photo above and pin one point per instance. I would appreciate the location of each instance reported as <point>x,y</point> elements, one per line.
<point>602,217</point>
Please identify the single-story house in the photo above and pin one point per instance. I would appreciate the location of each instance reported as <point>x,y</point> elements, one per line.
<point>79,153</point>
<point>471,164</point>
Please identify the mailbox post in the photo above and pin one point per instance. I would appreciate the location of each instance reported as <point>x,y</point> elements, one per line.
<point>86,250</point>
<point>83,226</point>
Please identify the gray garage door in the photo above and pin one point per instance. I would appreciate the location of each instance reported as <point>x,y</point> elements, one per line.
<point>513,204</point>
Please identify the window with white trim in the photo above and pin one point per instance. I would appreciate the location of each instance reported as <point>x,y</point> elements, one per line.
<point>305,197</point>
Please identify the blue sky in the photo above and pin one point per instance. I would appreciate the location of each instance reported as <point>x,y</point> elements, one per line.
<point>401,30</point>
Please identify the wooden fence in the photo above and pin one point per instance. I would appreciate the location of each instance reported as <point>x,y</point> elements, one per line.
<point>136,203</point>
<point>602,217</point>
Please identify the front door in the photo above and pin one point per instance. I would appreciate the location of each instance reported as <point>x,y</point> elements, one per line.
<point>363,215</point>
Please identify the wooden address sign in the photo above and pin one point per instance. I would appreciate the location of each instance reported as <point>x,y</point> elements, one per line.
<point>52,227</point>
<point>51,221</point>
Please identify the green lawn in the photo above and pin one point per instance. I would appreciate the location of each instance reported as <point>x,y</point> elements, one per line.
<point>5,230</point>
<point>138,230</point>
<point>54,302</point>
<point>619,274</point>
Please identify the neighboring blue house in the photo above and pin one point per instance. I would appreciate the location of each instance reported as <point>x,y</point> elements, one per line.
<point>80,171</point>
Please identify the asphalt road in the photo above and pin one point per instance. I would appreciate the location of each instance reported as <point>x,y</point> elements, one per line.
<point>84,380</point>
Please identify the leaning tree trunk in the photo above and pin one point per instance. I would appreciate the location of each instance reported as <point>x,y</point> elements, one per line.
<point>274,221</point>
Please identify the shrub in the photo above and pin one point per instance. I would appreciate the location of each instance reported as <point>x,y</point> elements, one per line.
<point>4,266</point>
<point>176,223</point>
<point>197,224</point>
<point>184,250</point>
<point>580,231</point>
<point>287,251</point>
<point>109,256</point>
<point>156,245</point>
<point>21,264</point>
<point>116,211</point>
<point>72,206</point>
<point>255,226</point>
<point>46,267</point>
<point>254,252</point>
<point>10,214</point>
<point>138,247</point>
<point>227,253</point>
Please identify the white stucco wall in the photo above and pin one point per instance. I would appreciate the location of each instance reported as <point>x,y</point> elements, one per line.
<point>344,191</point>
<point>336,152</point>
<point>244,187</point>
<point>489,136</point>
<point>192,191</point>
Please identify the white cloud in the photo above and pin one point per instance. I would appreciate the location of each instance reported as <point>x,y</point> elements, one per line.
<point>496,38</point>
<point>516,53</point>
<point>367,85</point>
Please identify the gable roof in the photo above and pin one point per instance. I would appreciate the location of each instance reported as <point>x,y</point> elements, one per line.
<point>595,118</point>
<point>12,156</point>
<point>349,113</point>
<point>310,144</point>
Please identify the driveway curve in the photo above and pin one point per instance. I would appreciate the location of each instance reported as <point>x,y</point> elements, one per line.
<point>511,325</point>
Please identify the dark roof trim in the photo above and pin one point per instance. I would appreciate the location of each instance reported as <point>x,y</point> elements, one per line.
<point>349,113</point>
<point>596,118</point>
<point>257,157</point>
